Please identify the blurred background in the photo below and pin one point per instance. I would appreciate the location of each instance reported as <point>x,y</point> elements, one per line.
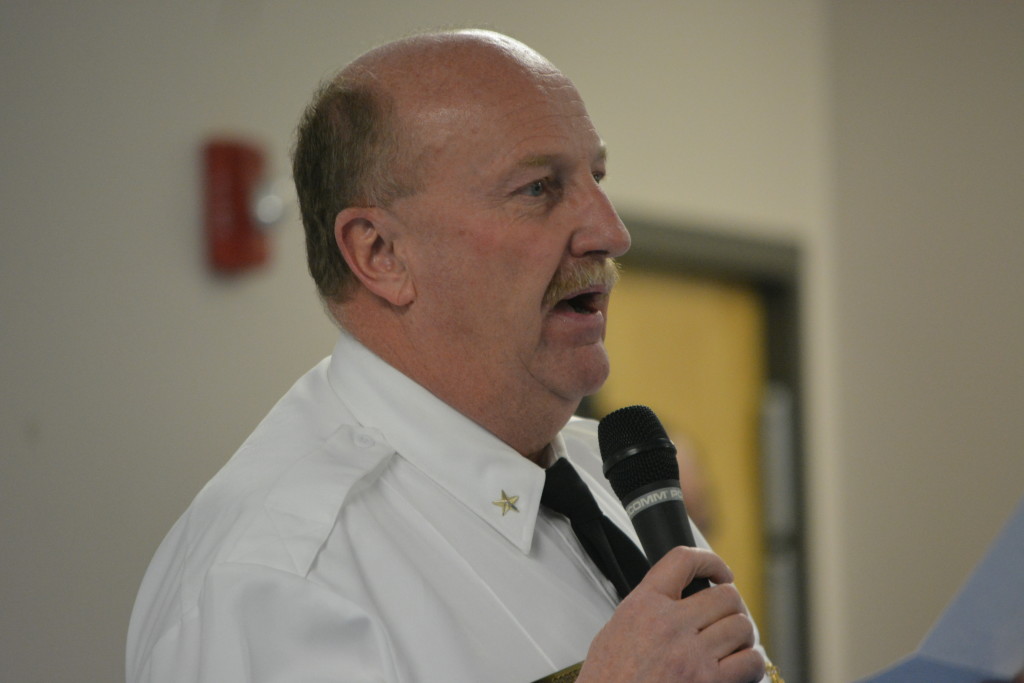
<point>876,146</point>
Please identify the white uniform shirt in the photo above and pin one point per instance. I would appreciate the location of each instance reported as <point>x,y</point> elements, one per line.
<point>366,531</point>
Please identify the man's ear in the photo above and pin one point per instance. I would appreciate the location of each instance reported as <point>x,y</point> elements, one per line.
<point>366,242</point>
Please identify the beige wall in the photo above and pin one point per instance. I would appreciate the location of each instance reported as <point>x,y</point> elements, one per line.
<point>129,374</point>
<point>929,245</point>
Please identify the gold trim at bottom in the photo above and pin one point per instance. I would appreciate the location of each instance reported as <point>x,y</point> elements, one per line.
<point>566,675</point>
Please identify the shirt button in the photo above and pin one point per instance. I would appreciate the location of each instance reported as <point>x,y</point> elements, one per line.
<point>364,440</point>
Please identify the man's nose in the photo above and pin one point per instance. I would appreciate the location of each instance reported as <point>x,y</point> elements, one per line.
<point>599,230</point>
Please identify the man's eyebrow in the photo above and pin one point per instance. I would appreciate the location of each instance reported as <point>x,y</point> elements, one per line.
<point>541,160</point>
<point>537,161</point>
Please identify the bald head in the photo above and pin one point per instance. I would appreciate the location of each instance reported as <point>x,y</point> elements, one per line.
<point>449,67</point>
<point>446,55</point>
<point>369,135</point>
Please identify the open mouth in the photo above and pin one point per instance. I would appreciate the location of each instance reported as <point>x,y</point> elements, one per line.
<point>587,303</point>
<point>581,288</point>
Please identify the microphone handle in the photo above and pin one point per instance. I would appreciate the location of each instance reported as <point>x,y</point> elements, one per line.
<point>663,526</point>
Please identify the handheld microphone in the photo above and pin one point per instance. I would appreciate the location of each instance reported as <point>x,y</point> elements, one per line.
<point>640,463</point>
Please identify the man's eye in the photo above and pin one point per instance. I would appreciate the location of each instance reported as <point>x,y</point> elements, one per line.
<point>598,176</point>
<point>537,188</point>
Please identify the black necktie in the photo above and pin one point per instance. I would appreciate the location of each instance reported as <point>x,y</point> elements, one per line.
<point>609,547</point>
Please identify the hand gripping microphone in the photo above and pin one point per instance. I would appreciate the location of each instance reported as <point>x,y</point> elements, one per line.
<point>640,463</point>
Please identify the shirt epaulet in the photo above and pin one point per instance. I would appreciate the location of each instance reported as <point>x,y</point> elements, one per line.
<point>303,505</point>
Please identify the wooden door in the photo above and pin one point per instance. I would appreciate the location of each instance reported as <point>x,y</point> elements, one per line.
<point>693,349</point>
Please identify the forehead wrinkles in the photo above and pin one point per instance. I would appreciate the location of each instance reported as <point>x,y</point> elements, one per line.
<point>483,145</point>
<point>559,135</point>
<point>518,114</point>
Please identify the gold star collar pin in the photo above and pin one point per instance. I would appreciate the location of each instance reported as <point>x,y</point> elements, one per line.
<point>506,503</point>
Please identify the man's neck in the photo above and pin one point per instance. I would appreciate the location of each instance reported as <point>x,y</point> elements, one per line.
<point>526,420</point>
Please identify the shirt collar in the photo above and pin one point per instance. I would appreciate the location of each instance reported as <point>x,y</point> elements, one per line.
<point>486,475</point>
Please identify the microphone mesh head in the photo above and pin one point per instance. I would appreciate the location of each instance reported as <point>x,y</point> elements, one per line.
<point>635,449</point>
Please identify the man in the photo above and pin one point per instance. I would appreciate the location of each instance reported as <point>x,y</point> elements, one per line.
<point>384,521</point>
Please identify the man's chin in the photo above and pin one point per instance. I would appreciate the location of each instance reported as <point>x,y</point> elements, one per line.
<point>572,373</point>
<point>589,377</point>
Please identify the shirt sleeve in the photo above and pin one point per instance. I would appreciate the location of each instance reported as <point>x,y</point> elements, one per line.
<point>254,624</point>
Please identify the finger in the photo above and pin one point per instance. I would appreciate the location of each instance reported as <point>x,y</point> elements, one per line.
<point>742,666</point>
<point>714,604</point>
<point>680,566</point>
<point>726,636</point>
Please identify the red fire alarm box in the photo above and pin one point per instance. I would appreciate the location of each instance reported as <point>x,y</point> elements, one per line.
<point>235,239</point>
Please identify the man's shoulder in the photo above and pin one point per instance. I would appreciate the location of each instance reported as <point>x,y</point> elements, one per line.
<point>276,499</point>
<point>281,492</point>
<point>274,507</point>
<point>269,508</point>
